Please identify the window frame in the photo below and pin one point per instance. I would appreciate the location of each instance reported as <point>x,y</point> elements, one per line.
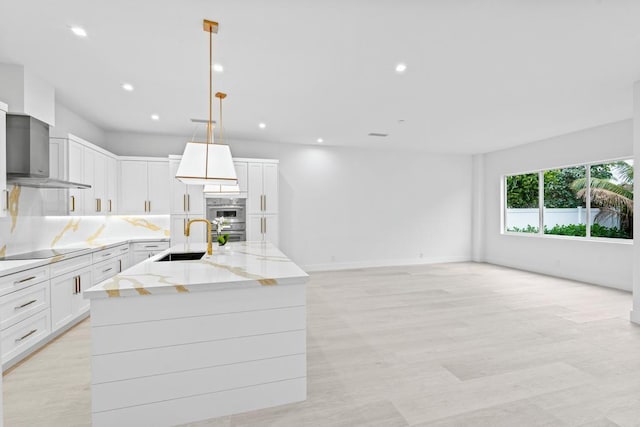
<point>541,233</point>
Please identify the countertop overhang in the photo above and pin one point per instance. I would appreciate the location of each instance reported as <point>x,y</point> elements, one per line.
<point>234,266</point>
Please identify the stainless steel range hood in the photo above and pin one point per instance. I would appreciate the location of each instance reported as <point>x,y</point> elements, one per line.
<point>28,154</point>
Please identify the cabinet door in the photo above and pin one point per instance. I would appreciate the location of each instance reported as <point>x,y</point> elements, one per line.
<point>63,290</point>
<point>254,228</point>
<point>270,187</point>
<point>133,187</point>
<point>3,164</point>
<point>178,224</point>
<point>178,204</point>
<point>89,194</point>
<point>76,174</point>
<point>254,188</point>
<point>195,200</point>
<point>158,184</point>
<point>100,182</point>
<point>54,201</point>
<point>241,173</point>
<point>81,305</point>
<point>112,186</point>
<point>270,229</point>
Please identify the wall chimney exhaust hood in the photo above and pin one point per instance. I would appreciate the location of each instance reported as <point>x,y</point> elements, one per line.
<point>28,154</point>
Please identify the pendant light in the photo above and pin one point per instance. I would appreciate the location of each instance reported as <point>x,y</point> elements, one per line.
<point>221,189</point>
<point>205,163</point>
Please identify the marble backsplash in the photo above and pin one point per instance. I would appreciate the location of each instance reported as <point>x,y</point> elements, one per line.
<point>25,228</point>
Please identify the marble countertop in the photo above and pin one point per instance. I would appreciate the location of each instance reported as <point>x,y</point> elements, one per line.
<point>236,265</point>
<point>15,266</point>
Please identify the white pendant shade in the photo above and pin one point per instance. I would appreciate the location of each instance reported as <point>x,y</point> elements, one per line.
<point>221,189</point>
<point>207,164</point>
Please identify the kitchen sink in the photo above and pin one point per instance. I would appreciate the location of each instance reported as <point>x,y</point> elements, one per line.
<point>182,256</point>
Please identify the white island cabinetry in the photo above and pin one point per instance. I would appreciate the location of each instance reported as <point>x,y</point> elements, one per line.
<point>177,342</point>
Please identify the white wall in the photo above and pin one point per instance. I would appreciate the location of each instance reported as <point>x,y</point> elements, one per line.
<point>344,207</point>
<point>607,263</point>
<point>69,122</point>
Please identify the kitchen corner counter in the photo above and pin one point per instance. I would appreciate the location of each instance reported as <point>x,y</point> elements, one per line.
<point>236,265</point>
<point>15,266</point>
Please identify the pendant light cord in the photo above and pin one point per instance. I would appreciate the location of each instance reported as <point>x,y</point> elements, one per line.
<point>209,125</point>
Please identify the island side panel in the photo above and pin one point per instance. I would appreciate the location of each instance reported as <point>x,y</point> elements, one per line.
<point>170,359</point>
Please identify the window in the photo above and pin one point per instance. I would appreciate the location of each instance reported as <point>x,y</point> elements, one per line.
<point>565,212</point>
<point>593,200</point>
<point>523,212</point>
<point>611,196</point>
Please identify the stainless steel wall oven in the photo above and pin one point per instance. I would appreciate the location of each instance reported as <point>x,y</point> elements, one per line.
<point>234,211</point>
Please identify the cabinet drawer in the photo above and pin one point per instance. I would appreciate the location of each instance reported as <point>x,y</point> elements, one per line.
<point>25,334</point>
<point>150,246</point>
<point>110,253</point>
<point>17,281</point>
<point>105,270</point>
<point>21,304</point>
<point>69,265</point>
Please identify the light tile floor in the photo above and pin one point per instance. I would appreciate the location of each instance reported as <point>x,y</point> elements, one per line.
<point>441,345</point>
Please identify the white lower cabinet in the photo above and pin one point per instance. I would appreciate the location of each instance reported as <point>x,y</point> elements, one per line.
<point>22,336</point>
<point>262,228</point>
<point>145,250</point>
<point>66,297</point>
<point>40,303</point>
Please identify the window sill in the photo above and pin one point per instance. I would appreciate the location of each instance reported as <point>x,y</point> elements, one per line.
<point>574,238</point>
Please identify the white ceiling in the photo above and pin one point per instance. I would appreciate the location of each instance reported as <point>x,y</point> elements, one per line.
<point>482,75</point>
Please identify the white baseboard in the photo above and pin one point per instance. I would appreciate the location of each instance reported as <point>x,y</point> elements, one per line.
<point>569,276</point>
<point>383,263</point>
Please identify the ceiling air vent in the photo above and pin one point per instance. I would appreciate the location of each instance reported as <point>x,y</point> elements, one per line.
<point>381,135</point>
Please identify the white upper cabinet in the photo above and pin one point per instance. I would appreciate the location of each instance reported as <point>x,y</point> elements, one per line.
<point>185,199</point>
<point>242,174</point>
<point>4,203</point>
<point>75,156</point>
<point>73,159</point>
<point>158,184</point>
<point>144,186</point>
<point>262,194</point>
<point>112,186</point>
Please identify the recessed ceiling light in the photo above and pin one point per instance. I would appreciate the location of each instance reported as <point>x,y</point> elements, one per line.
<point>262,125</point>
<point>401,68</point>
<point>79,31</point>
<point>155,117</point>
<point>218,68</point>
<point>127,86</point>
<point>320,140</point>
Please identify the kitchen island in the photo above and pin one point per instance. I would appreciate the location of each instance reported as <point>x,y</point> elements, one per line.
<point>181,341</point>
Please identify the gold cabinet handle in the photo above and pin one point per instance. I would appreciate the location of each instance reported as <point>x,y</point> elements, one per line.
<point>120,265</point>
<point>26,279</point>
<point>97,205</point>
<point>33,331</point>
<point>265,203</point>
<point>73,203</point>
<point>76,283</point>
<point>110,205</point>
<point>79,284</point>
<point>189,202</point>
<point>184,226</point>
<point>184,202</point>
<point>149,205</point>
<point>265,224</point>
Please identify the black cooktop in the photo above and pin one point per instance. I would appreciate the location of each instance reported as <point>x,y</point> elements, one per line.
<point>41,254</point>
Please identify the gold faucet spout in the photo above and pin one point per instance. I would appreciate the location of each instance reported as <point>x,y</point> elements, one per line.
<point>209,230</point>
